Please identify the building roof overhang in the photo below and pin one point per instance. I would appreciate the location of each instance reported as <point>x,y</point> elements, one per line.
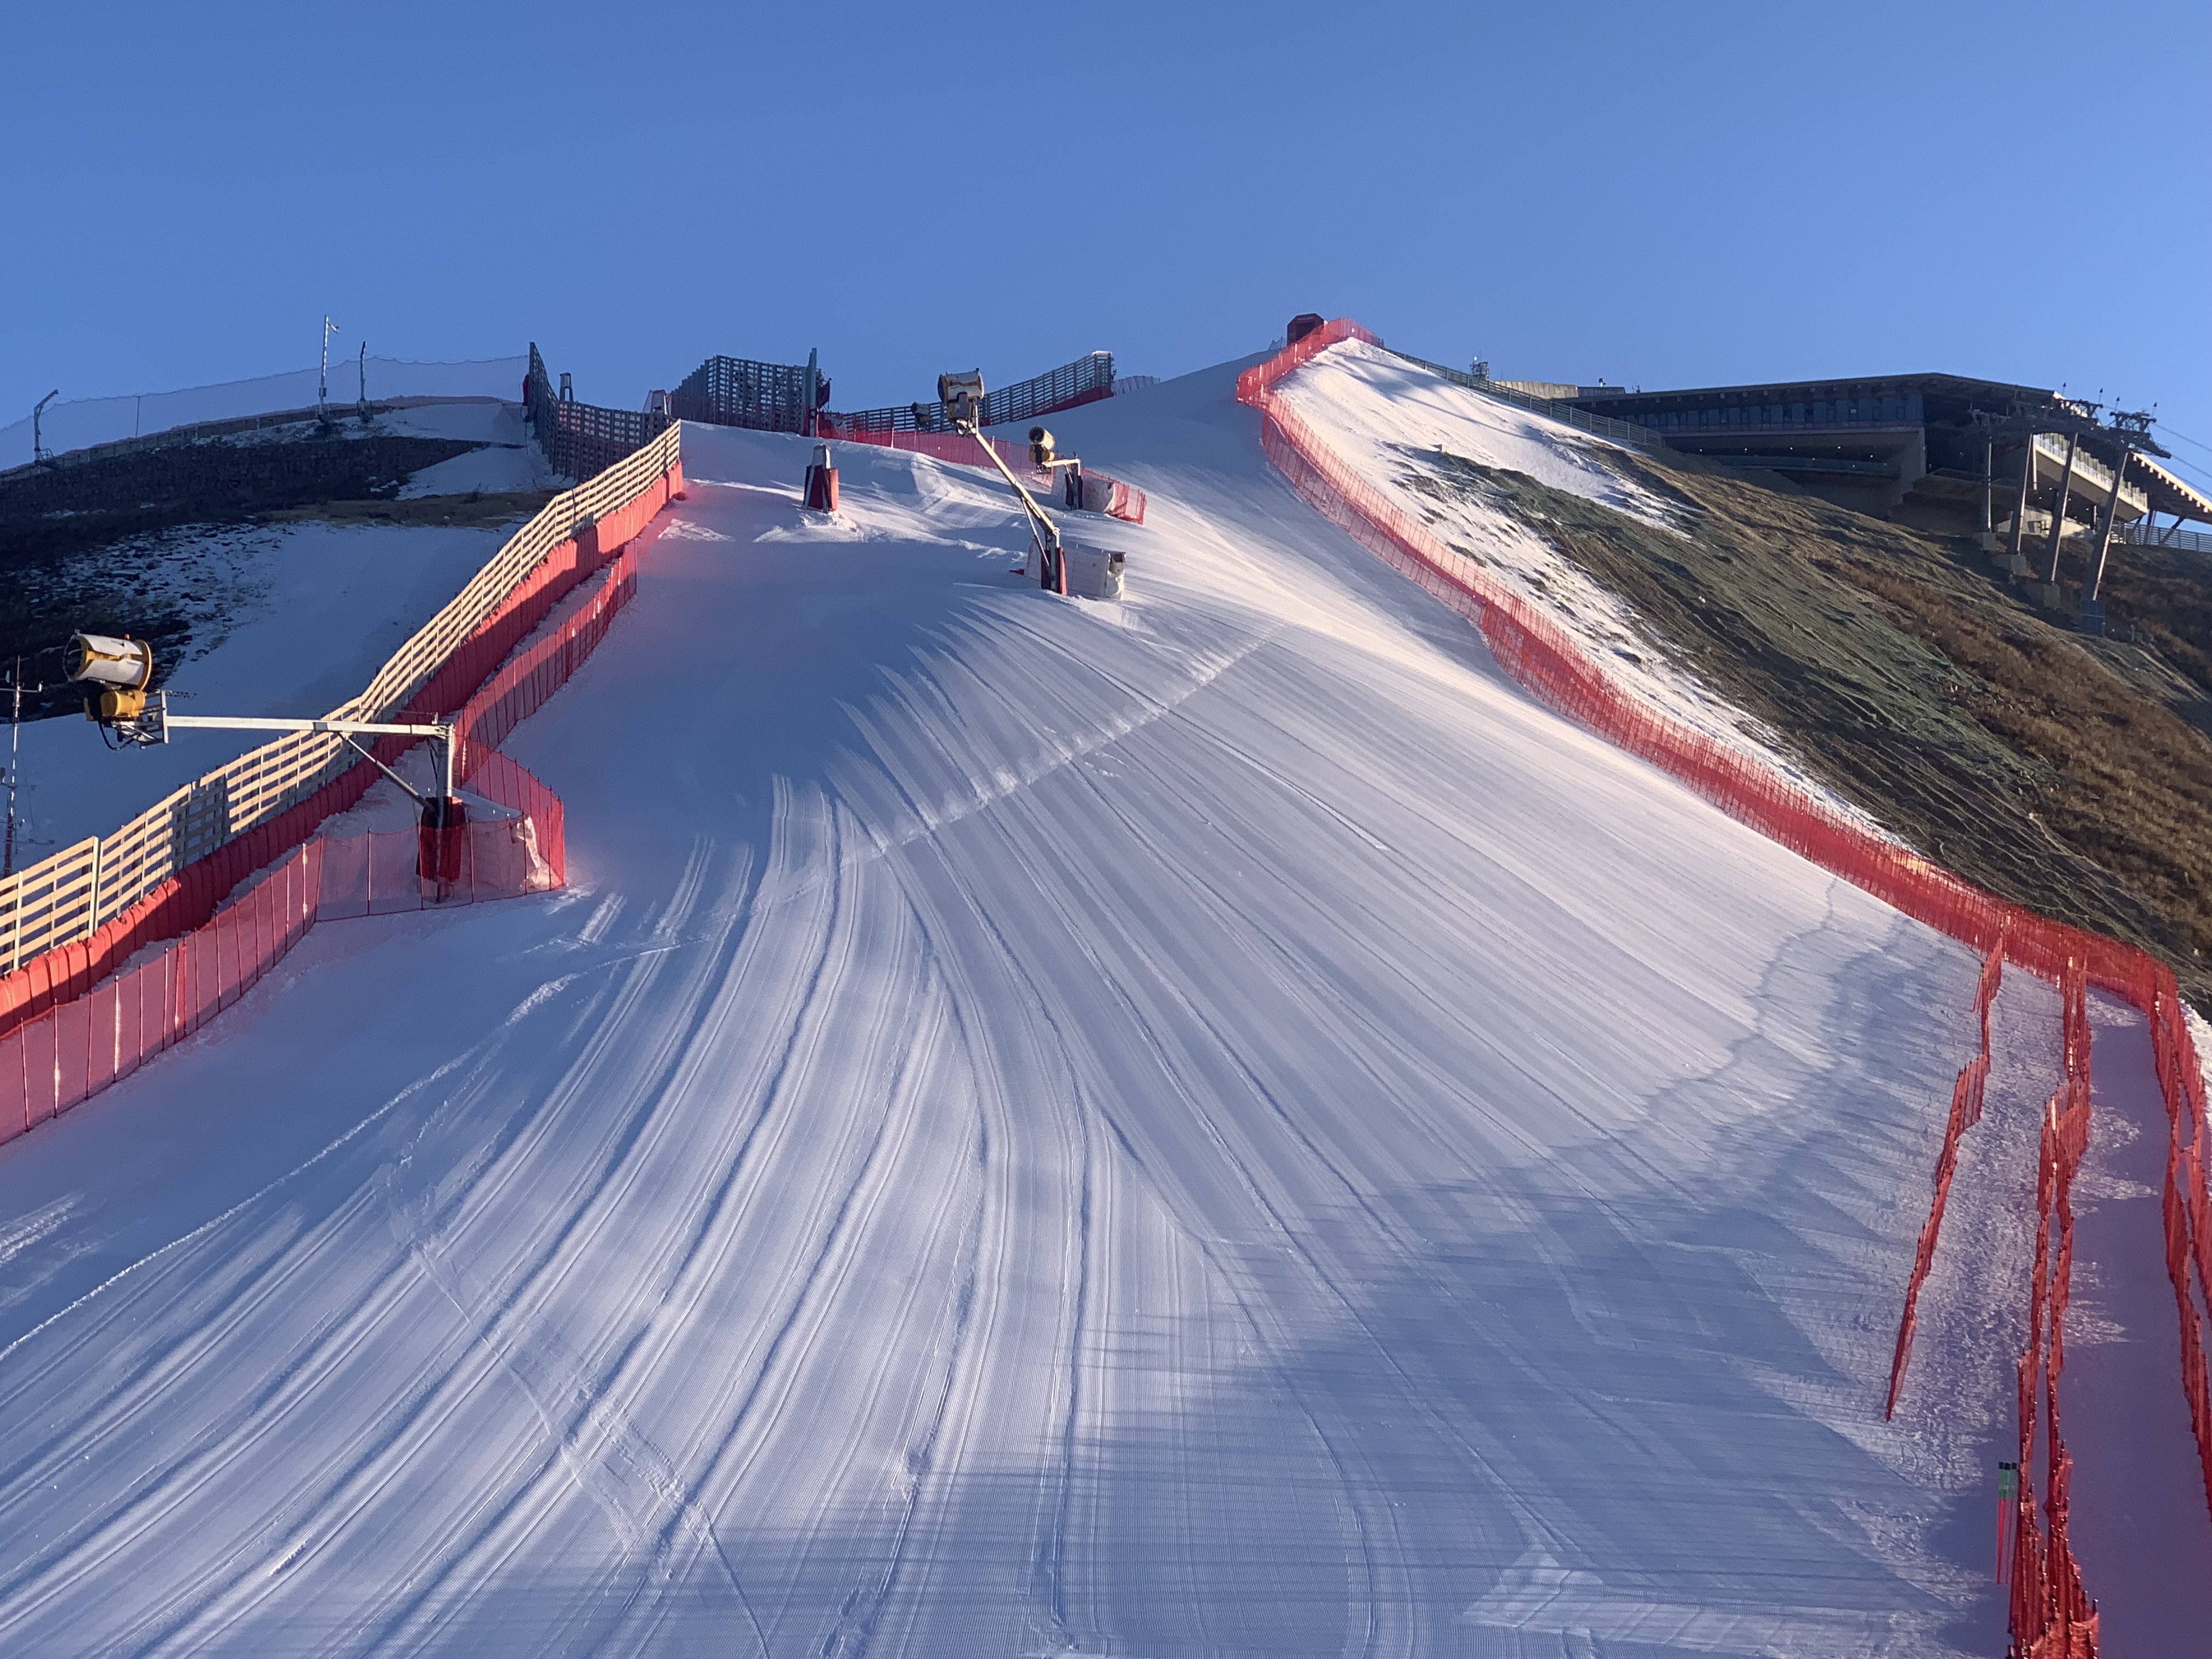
<point>2001,394</point>
<point>2167,493</point>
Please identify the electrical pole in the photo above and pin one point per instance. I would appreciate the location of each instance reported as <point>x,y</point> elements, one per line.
<point>2058,519</point>
<point>1989,536</point>
<point>361,390</point>
<point>2016,559</point>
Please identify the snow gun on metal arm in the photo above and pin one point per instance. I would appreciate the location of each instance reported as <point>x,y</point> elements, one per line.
<point>1062,567</point>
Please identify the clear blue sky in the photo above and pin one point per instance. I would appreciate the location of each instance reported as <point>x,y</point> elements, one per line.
<point>1678,194</point>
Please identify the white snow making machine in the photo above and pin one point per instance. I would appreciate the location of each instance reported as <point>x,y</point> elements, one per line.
<point>122,670</point>
<point>1063,567</point>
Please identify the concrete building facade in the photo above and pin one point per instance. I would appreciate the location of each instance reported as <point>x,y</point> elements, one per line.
<point>1940,451</point>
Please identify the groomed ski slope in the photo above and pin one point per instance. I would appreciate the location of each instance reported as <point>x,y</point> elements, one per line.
<point>1205,1125</point>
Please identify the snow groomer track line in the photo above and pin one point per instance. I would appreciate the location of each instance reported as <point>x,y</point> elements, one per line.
<point>1210,1123</point>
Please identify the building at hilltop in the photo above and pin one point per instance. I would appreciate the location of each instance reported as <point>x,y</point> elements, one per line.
<point>1928,450</point>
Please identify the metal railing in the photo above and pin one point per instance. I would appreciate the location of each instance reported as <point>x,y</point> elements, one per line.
<point>1621,432</point>
<point>1085,380</point>
<point>2173,536</point>
<point>2088,469</point>
<point>69,895</point>
<point>739,392</point>
<point>582,440</point>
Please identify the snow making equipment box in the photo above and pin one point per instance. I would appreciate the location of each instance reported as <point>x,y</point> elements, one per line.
<point>1094,573</point>
<point>821,482</point>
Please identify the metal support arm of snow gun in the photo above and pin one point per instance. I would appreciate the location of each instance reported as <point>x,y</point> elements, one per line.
<point>963,398</point>
<point>123,708</point>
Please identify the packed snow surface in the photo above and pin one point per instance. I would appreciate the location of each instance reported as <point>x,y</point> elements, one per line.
<point>1205,1125</point>
<point>507,461</point>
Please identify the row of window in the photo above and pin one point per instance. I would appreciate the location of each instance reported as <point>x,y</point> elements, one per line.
<point>1837,411</point>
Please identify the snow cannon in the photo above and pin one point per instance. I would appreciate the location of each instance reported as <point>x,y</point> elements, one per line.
<point>821,482</point>
<point>124,668</point>
<point>1045,456</point>
<point>963,398</point>
<point>121,668</point>
<point>1100,576</point>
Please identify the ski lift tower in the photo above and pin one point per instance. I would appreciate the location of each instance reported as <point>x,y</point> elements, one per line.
<point>121,706</point>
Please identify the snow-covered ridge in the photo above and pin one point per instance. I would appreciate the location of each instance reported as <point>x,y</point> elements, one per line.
<point>1385,415</point>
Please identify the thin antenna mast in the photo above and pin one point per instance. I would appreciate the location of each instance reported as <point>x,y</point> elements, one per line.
<point>323,378</point>
<point>15,767</point>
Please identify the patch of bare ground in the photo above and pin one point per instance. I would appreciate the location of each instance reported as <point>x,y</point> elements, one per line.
<point>476,508</point>
<point>2057,771</point>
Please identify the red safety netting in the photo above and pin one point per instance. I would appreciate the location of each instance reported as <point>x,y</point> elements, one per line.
<point>54,1062</point>
<point>2187,1213</point>
<point>380,871</point>
<point>1101,494</point>
<point>63,1056</point>
<point>1546,660</point>
<point>2051,1616</point>
<point>1966,1112</point>
<point>522,683</point>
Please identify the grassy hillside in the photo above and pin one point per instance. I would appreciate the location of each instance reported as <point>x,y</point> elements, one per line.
<point>2072,775</point>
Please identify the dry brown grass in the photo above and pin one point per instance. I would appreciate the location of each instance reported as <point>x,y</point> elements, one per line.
<point>2052,770</point>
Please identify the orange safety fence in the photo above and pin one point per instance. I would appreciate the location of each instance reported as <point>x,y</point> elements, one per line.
<point>1966,1112</point>
<point>2051,1615</point>
<point>1101,494</point>
<point>379,871</point>
<point>53,1062</point>
<point>2187,1211</point>
<point>522,683</point>
<point>1555,667</point>
<point>64,1056</point>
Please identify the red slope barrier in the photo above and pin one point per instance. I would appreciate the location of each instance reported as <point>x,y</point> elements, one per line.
<point>2051,1616</point>
<point>1966,1112</point>
<point>1550,664</point>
